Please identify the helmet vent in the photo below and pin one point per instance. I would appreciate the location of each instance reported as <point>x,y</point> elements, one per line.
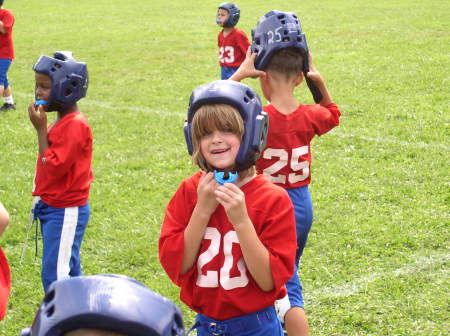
<point>281,16</point>
<point>50,311</point>
<point>49,297</point>
<point>57,65</point>
<point>283,22</point>
<point>74,83</point>
<point>52,69</point>
<point>299,38</point>
<point>67,92</point>
<point>249,95</point>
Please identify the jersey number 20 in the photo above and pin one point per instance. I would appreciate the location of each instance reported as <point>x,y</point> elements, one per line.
<point>212,279</point>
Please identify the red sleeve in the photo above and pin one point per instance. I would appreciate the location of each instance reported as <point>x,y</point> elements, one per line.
<point>279,237</point>
<point>171,240</point>
<point>324,118</point>
<point>8,20</point>
<point>65,148</point>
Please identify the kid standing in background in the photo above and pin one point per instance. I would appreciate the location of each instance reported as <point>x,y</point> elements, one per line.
<point>280,50</point>
<point>232,42</point>
<point>230,246</point>
<point>6,56</point>
<point>64,165</point>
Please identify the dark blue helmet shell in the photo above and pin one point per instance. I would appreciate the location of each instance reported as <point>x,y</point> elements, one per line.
<point>109,302</point>
<point>247,102</point>
<point>69,79</point>
<point>278,30</point>
<point>234,14</point>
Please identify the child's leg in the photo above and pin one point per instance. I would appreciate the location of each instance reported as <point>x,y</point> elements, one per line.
<point>62,232</point>
<point>295,319</point>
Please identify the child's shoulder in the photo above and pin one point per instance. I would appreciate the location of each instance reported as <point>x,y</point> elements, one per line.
<point>265,188</point>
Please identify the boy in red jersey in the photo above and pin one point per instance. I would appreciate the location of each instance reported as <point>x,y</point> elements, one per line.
<point>228,236</point>
<point>6,56</point>
<point>5,273</point>
<point>286,160</point>
<point>64,164</point>
<point>232,42</point>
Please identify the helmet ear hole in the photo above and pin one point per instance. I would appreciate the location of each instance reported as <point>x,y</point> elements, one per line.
<point>67,92</point>
<point>50,311</point>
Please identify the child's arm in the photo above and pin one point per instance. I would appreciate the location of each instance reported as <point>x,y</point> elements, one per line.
<point>315,76</point>
<point>2,27</point>
<point>4,218</point>
<point>255,254</point>
<point>247,68</point>
<point>195,230</point>
<point>39,120</point>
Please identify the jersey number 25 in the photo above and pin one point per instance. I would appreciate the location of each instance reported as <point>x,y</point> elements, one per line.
<point>212,279</point>
<point>295,164</point>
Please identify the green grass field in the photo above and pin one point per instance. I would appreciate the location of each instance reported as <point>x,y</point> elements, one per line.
<point>377,256</point>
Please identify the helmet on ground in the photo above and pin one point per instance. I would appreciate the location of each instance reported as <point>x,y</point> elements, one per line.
<point>233,14</point>
<point>69,79</point>
<point>278,30</point>
<point>110,302</point>
<point>243,99</point>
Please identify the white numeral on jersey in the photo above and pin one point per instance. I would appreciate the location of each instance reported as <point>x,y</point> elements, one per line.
<point>295,165</point>
<point>211,277</point>
<point>226,54</point>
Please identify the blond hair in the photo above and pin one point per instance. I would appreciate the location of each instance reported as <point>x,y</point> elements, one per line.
<point>209,118</point>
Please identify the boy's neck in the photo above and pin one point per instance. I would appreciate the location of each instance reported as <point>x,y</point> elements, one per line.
<point>242,181</point>
<point>283,99</point>
<point>63,113</point>
<point>227,30</point>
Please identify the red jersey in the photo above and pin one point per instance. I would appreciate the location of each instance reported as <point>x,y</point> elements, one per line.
<point>233,48</point>
<point>64,174</point>
<point>286,160</point>
<point>5,284</point>
<point>6,42</point>
<point>219,285</point>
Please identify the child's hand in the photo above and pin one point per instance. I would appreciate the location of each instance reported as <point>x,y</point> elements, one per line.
<point>205,193</point>
<point>247,68</point>
<point>233,200</point>
<point>38,118</point>
<point>313,74</point>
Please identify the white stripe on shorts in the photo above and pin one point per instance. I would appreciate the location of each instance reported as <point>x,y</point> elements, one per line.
<point>66,242</point>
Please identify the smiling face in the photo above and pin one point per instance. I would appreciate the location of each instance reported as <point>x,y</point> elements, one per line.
<point>43,86</point>
<point>220,149</point>
<point>217,131</point>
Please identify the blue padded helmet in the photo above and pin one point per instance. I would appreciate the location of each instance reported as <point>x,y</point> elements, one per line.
<point>69,79</point>
<point>278,30</point>
<point>243,99</point>
<point>234,14</point>
<point>109,302</point>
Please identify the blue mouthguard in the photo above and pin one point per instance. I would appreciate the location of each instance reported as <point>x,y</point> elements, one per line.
<point>40,102</point>
<point>219,177</point>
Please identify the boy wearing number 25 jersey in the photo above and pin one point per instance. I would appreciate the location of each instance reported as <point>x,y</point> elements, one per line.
<point>282,61</point>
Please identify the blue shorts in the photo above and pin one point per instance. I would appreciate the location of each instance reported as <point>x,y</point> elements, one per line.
<point>301,199</point>
<point>62,233</point>
<point>264,322</point>
<point>227,72</point>
<point>4,66</point>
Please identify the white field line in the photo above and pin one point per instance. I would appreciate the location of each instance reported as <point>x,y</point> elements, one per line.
<point>392,141</point>
<point>109,106</point>
<point>422,263</point>
<point>166,113</point>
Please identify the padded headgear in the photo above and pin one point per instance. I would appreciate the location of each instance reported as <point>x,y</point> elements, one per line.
<point>69,79</point>
<point>234,14</point>
<point>243,99</point>
<point>109,302</point>
<point>278,30</point>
